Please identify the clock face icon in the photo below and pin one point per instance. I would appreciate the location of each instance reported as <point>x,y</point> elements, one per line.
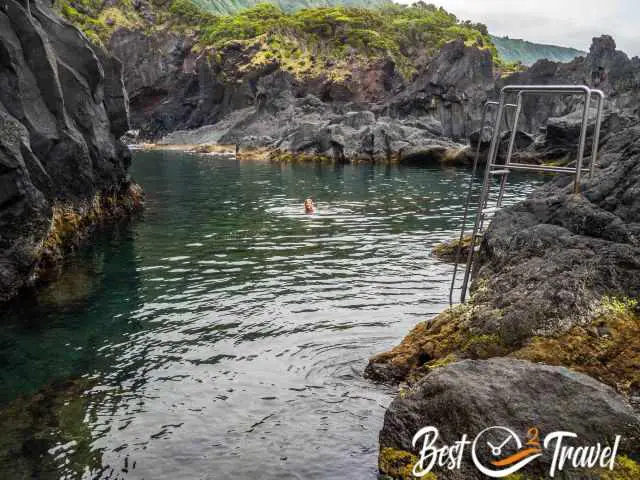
<point>509,439</point>
<point>498,452</point>
<point>498,441</point>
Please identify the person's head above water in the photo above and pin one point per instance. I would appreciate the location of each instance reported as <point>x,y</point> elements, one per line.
<point>308,205</point>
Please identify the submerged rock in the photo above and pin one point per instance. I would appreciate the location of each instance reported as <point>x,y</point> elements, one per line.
<point>453,251</point>
<point>469,396</point>
<point>46,435</point>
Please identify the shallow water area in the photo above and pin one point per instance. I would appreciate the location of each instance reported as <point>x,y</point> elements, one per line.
<point>225,333</point>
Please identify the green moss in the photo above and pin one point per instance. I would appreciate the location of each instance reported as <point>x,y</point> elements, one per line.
<point>448,250</point>
<point>619,305</point>
<point>398,464</point>
<point>441,362</point>
<point>71,223</point>
<point>439,340</point>
<point>624,469</point>
<point>607,348</point>
<point>285,156</point>
<point>484,346</point>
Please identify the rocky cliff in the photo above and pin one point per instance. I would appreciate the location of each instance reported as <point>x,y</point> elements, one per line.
<point>429,118</point>
<point>62,108</point>
<point>185,69</point>
<point>556,283</point>
<point>266,78</point>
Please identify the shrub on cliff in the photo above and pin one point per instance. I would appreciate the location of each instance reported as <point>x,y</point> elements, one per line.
<point>303,41</point>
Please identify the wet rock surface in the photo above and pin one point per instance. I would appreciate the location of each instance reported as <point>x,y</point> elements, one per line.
<point>60,113</point>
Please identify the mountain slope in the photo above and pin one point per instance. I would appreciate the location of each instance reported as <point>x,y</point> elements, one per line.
<point>528,53</point>
<point>307,42</point>
<point>229,7</point>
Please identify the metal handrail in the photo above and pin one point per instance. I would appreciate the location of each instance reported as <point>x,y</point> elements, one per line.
<point>504,169</point>
<point>467,202</point>
<point>465,215</point>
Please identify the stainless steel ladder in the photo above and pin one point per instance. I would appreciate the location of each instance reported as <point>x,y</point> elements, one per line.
<point>493,169</point>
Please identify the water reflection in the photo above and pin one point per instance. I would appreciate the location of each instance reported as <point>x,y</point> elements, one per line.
<point>224,335</point>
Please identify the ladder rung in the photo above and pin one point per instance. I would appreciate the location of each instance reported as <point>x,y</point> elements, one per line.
<point>479,234</point>
<point>504,171</point>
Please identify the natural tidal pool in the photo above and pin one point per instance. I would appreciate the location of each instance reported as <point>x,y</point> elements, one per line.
<point>224,334</point>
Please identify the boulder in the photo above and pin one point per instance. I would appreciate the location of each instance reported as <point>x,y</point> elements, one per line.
<point>469,396</point>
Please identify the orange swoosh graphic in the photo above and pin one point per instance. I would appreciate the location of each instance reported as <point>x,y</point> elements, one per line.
<point>516,456</point>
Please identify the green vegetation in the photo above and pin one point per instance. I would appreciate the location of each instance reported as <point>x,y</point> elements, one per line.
<point>308,37</point>
<point>606,347</point>
<point>230,7</point>
<point>98,21</point>
<point>304,42</point>
<point>448,250</point>
<point>625,469</point>
<point>513,50</point>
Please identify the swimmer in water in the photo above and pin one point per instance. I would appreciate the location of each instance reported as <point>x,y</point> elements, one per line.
<point>309,207</point>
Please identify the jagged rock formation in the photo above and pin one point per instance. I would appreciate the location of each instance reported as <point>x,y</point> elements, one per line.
<point>555,255</point>
<point>226,99</point>
<point>360,119</point>
<point>60,114</point>
<point>604,68</point>
<point>546,268</point>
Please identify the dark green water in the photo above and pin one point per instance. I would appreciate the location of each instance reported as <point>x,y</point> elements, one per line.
<point>225,333</point>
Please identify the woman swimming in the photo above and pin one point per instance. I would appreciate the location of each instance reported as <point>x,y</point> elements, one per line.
<point>309,207</point>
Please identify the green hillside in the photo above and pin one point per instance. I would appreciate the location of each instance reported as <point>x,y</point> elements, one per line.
<point>303,41</point>
<point>229,7</point>
<point>528,53</point>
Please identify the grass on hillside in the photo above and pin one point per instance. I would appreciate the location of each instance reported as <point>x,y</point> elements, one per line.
<point>304,42</point>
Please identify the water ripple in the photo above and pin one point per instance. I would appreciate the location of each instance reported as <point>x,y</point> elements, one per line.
<point>248,323</point>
